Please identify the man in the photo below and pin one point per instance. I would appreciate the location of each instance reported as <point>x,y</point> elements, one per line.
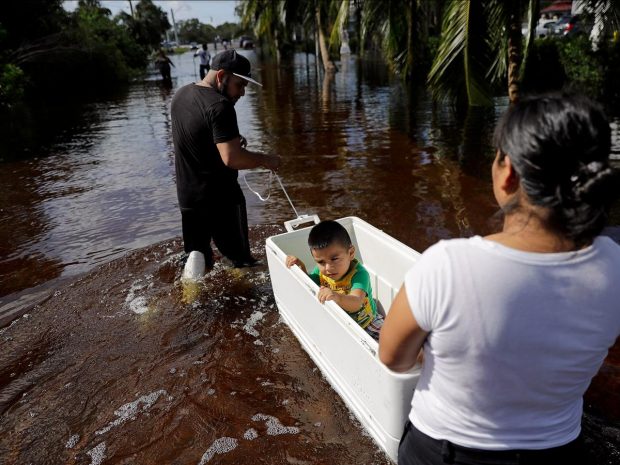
<point>208,152</point>
<point>205,57</point>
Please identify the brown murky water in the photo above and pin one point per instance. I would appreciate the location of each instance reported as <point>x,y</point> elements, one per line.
<point>123,366</point>
<point>116,363</point>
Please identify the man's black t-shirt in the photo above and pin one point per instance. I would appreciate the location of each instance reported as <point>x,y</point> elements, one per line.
<point>201,118</point>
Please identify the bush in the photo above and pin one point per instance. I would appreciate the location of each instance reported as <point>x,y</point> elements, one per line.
<point>12,81</point>
<point>571,64</point>
<point>584,68</point>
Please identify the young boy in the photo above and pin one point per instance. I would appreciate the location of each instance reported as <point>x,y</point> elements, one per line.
<point>341,277</point>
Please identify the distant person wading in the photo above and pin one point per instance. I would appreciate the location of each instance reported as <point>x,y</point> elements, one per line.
<point>163,64</point>
<point>205,58</point>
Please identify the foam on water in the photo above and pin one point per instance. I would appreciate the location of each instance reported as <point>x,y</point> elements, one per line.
<point>130,410</point>
<point>274,427</point>
<point>137,304</point>
<point>97,454</point>
<point>249,325</point>
<point>73,440</point>
<point>219,446</point>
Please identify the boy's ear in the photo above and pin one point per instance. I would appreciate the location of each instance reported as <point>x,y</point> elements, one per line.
<point>352,252</point>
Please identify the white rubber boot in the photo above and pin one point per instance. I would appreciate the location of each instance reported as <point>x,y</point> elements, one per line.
<point>194,267</point>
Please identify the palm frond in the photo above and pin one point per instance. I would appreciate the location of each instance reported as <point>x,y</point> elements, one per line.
<point>395,38</point>
<point>532,13</point>
<point>497,15</point>
<point>462,59</point>
<point>374,14</point>
<point>339,24</point>
<point>606,14</point>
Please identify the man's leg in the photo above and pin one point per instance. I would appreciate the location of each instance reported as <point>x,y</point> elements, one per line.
<point>197,233</point>
<point>230,233</point>
<point>202,72</point>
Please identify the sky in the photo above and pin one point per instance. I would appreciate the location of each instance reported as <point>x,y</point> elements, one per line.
<point>206,11</point>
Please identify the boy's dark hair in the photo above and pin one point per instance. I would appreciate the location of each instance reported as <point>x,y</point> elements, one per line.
<point>327,233</point>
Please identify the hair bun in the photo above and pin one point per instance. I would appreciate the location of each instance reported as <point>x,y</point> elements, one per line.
<point>595,181</point>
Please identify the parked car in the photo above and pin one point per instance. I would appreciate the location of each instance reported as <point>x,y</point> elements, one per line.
<point>193,46</point>
<point>246,42</point>
<point>546,29</point>
<point>569,26</point>
<point>168,46</point>
<point>560,25</point>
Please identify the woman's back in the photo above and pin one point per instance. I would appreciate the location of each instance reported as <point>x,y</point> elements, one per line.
<point>515,338</point>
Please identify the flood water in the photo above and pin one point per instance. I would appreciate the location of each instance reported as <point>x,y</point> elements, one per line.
<point>118,365</point>
<point>358,145</point>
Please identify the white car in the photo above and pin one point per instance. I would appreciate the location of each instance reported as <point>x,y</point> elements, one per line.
<point>544,28</point>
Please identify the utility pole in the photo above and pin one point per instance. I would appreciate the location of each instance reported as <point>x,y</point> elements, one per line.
<point>174,26</point>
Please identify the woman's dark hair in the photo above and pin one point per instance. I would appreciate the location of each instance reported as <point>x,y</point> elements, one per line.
<point>327,233</point>
<point>559,145</point>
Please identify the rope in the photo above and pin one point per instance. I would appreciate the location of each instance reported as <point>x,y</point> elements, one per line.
<point>288,198</point>
<point>271,175</point>
<point>268,188</point>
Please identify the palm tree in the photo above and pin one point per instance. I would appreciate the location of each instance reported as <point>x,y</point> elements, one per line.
<point>402,27</point>
<point>480,46</point>
<point>268,20</point>
<point>328,64</point>
<point>606,15</point>
<point>148,23</point>
<point>273,22</point>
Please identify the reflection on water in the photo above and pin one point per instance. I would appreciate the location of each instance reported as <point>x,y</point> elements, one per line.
<point>615,139</point>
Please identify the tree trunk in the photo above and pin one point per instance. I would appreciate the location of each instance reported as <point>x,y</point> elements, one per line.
<point>514,58</point>
<point>316,55</point>
<point>328,65</point>
<point>276,41</point>
<point>411,41</point>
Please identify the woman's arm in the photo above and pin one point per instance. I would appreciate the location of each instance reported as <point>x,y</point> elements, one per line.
<point>401,337</point>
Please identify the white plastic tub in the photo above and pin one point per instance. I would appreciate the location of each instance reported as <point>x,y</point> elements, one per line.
<point>346,355</point>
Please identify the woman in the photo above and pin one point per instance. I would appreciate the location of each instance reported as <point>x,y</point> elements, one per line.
<point>163,64</point>
<point>515,325</point>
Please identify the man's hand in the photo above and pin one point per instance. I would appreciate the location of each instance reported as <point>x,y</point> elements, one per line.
<point>325,294</point>
<point>271,162</point>
<point>236,157</point>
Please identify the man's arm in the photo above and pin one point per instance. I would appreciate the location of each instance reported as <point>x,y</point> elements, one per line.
<point>236,157</point>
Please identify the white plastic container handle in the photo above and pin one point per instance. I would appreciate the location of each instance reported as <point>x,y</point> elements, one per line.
<point>301,219</point>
